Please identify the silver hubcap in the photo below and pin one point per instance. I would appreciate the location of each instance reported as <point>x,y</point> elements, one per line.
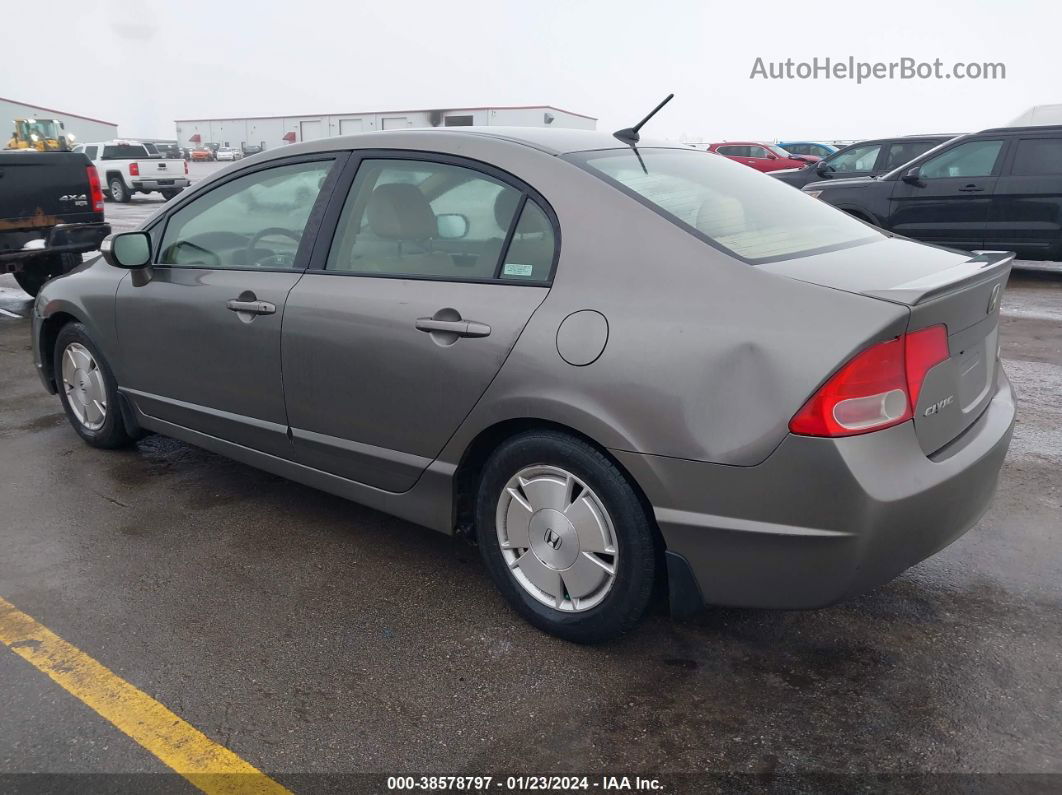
<point>83,384</point>
<point>116,190</point>
<point>557,538</point>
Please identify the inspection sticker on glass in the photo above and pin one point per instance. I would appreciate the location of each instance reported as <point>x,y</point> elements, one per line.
<point>515,269</point>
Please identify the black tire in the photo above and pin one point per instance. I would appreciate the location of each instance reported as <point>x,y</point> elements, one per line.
<point>112,433</point>
<point>117,190</point>
<point>39,270</point>
<point>171,193</point>
<point>626,602</point>
<point>31,279</point>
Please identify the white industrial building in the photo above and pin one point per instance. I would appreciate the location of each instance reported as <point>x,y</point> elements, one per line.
<point>83,127</point>
<point>273,131</point>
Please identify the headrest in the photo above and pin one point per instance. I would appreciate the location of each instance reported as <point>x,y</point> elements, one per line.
<point>721,217</point>
<point>505,206</point>
<point>399,211</point>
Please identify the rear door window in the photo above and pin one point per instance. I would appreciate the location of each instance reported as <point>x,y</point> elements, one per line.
<point>1038,157</point>
<point>421,219</point>
<point>905,152</point>
<point>858,158</point>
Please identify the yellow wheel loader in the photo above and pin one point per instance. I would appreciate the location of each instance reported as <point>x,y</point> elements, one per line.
<point>44,135</point>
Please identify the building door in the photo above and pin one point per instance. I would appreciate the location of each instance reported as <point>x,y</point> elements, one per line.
<point>310,130</point>
<point>350,126</point>
<point>395,123</point>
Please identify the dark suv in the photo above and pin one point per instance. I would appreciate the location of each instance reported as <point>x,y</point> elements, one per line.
<point>997,189</point>
<point>863,159</point>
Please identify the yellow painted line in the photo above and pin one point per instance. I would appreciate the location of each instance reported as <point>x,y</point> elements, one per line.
<point>206,764</point>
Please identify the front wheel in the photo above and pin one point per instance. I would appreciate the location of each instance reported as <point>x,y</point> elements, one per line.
<point>87,389</point>
<point>565,537</point>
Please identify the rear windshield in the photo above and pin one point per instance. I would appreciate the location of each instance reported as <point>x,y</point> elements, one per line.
<point>124,152</point>
<point>748,214</point>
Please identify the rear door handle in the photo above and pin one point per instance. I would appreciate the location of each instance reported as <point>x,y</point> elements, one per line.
<point>253,307</point>
<point>462,328</point>
<point>970,189</point>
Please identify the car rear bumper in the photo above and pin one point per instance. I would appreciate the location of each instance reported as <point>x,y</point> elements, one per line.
<point>823,519</point>
<point>161,183</point>
<point>71,238</point>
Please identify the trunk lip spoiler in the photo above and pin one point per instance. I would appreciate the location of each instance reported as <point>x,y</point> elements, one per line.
<point>983,266</point>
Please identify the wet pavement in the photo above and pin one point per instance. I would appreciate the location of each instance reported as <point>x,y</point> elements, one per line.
<point>311,635</point>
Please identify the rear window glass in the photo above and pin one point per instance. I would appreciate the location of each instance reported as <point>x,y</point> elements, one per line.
<point>748,214</point>
<point>1038,156</point>
<point>124,152</point>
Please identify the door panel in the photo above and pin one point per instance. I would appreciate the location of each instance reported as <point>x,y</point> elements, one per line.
<point>370,396</point>
<point>188,359</point>
<point>950,212</point>
<point>949,203</point>
<point>200,331</point>
<point>1026,212</point>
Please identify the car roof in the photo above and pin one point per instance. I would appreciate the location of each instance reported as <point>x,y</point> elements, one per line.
<point>1036,128</point>
<point>550,141</point>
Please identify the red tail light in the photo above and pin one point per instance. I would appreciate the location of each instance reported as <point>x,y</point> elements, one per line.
<point>877,389</point>
<point>185,166</point>
<point>95,191</point>
<point>134,169</point>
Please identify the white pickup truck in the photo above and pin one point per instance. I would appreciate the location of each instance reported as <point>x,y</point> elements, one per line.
<point>126,167</point>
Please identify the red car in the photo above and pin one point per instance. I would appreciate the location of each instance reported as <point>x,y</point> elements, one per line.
<point>761,156</point>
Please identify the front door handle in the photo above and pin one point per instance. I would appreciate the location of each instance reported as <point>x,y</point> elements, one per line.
<point>460,328</point>
<point>251,307</point>
<point>970,189</point>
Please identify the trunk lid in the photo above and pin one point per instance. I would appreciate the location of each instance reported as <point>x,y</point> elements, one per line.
<point>156,168</point>
<point>960,290</point>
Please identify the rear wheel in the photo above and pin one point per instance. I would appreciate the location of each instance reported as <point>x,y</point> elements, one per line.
<point>170,193</point>
<point>565,537</point>
<point>118,191</point>
<point>87,389</point>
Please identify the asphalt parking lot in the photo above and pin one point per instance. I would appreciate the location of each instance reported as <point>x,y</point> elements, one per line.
<point>312,636</point>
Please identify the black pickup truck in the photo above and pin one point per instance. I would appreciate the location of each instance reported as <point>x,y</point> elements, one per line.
<point>51,210</point>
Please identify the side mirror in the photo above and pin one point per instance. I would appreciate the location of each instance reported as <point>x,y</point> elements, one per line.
<point>771,157</point>
<point>129,250</point>
<point>913,176</point>
<point>822,168</point>
<point>452,226</point>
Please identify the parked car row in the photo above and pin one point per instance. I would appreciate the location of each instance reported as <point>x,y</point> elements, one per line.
<point>863,159</point>
<point>998,189</point>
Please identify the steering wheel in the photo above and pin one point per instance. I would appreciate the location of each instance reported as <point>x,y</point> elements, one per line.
<point>278,259</point>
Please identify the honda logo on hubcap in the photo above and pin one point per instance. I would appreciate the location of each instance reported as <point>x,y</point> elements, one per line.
<point>553,541</point>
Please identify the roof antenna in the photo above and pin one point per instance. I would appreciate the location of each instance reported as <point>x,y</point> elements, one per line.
<point>629,135</point>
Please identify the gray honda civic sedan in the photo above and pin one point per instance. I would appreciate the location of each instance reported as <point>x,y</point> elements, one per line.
<point>627,372</point>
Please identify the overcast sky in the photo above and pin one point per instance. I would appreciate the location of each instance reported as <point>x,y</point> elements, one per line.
<point>144,63</point>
